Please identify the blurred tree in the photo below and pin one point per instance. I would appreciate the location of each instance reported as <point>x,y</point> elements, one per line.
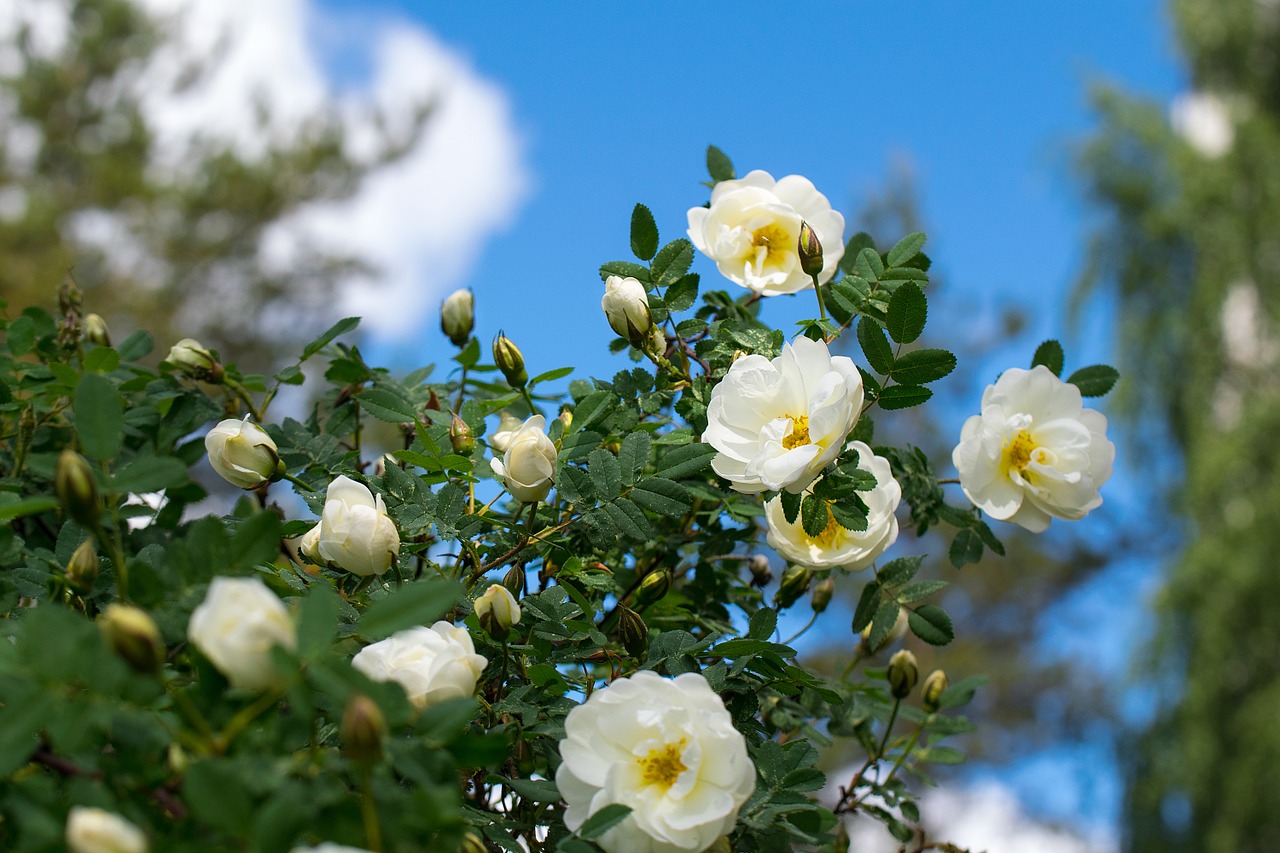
<point>178,247</point>
<point>1189,248</point>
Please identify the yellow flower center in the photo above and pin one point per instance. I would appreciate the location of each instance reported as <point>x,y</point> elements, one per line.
<point>662,766</point>
<point>1017,453</point>
<point>772,244</point>
<point>830,534</point>
<point>799,434</point>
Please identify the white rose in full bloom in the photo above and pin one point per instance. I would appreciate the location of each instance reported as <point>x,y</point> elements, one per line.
<point>91,830</point>
<point>236,626</point>
<point>355,533</point>
<point>626,307</point>
<point>836,547</point>
<point>1035,452</point>
<point>752,231</point>
<point>778,423</point>
<point>508,426</point>
<point>242,453</point>
<point>529,463</point>
<point>431,664</point>
<point>665,747</point>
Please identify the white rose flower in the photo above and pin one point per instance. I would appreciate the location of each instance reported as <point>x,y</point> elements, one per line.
<point>508,426</point>
<point>665,747</point>
<point>752,231</point>
<point>236,626</point>
<point>242,453</point>
<point>355,533</point>
<point>778,423</point>
<point>836,547</point>
<point>626,306</point>
<point>497,607</point>
<point>529,463</point>
<point>431,664</point>
<point>1035,452</point>
<point>458,316</point>
<point>191,356</point>
<point>91,830</point>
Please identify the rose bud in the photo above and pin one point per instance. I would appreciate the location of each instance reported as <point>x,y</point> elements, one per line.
<point>497,611</point>
<point>510,361</point>
<point>95,330</point>
<point>934,686</point>
<point>457,316</point>
<point>632,632</point>
<point>133,635</point>
<point>460,436</point>
<point>822,595</point>
<point>363,730</point>
<point>242,453</point>
<point>75,487</point>
<point>795,583</point>
<point>903,674</point>
<point>189,356</point>
<point>82,568</point>
<point>528,467</point>
<point>654,587</point>
<point>810,250</point>
<point>626,307</point>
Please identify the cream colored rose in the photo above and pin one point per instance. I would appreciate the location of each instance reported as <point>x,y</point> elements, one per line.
<point>236,626</point>
<point>1035,452</point>
<point>778,423</point>
<point>355,533</point>
<point>458,316</point>
<point>431,664</point>
<point>91,830</point>
<point>529,464</point>
<point>508,426</point>
<point>242,453</point>
<point>497,609</point>
<point>752,232</point>
<point>665,747</point>
<point>836,547</point>
<point>626,307</point>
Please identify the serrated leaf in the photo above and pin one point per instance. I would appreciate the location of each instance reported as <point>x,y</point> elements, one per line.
<point>906,249</point>
<point>633,455</point>
<point>868,264</point>
<point>814,515</point>
<point>626,269</point>
<point>629,519</point>
<point>644,233</point>
<point>339,328</point>
<point>931,623</point>
<point>903,396</point>
<point>875,345</point>
<point>917,591</point>
<point>99,417</point>
<point>686,460</point>
<point>859,241</point>
<point>606,474</point>
<point>868,603</point>
<point>671,262</point>
<point>719,166</point>
<point>418,603</point>
<point>899,571</point>
<point>1050,355</point>
<point>682,293</point>
<point>883,623</point>
<point>661,496</point>
<point>1094,380</point>
<point>908,311</point>
<point>923,365</point>
<point>317,621</point>
<point>762,624</point>
<point>850,514</point>
<point>791,505</point>
<point>591,408</point>
<point>386,405</point>
<point>966,548</point>
<point>604,820</point>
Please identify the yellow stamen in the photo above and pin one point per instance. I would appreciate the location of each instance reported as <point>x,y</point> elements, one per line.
<point>799,434</point>
<point>662,766</point>
<point>1017,453</point>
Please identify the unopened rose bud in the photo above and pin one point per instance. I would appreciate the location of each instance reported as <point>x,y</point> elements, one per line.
<point>508,426</point>
<point>497,611</point>
<point>133,635</point>
<point>810,250</point>
<point>760,571</point>
<point>458,316</point>
<point>243,454</point>
<point>934,686</point>
<point>363,729</point>
<point>903,674</point>
<point>460,436</point>
<point>75,487</point>
<point>96,331</point>
<point>632,632</point>
<point>795,583</point>
<point>566,419</point>
<point>626,307</point>
<point>515,579</point>
<point>82,568</point>
<point>822,595</point>
<point>189,356</point>
<point>510,361</point>
<point>654,587</point>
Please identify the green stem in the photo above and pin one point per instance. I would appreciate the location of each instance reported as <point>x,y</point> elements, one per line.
<point>292,479</point>
<point>822,308</point>
<point>246,716</point>
<point>524,392</point>
<point>797,635</point>
<point>462,390</point>
<point>243,393</point>
<point>911,744</point>
<point>369,812</point>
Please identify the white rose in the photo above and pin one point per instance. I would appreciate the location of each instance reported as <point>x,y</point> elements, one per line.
<point>752,231</point>
<point>458,316</point>
<point>778,423</point>
<point>529,463</point>
<point>91,830</point>
<point>242,453</point>
<point>508,426</point>
<point>836,547</point>
<point>626,306</point>
<point>431,664</point>
<point>236,626</point>
<point>191,356</point>
<point>497,609</point>
<point>665,747</point>
<point>1035,452</point>
<point>355,533</point>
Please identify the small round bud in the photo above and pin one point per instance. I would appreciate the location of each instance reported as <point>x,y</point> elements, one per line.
<point>626,307</point>
<point>903,674</point>
<point>363,728</point>
<point>654,587</point>
<point>75,487</point>
<point>243,454</point>
<point>460,436</point>
<point>458,316</point>
<point>178,760</point>
<point>822,595</point>
<point>795,583</point>
<point>566,419</point>
<point>515,579</point>
<point>82,568</point>
<point>133,635</point>
<point>189,356</point>
<point>632,632</point>
<point>934,686</point>
<point>96,331</point>
<point>497,611</point>
<point>510,361</point>
<point>810,250</point>
<point>760,572</point>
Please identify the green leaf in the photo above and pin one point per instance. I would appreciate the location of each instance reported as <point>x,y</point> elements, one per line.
<point>626,269</point>
<point>900,571</point>
<point>661,496</point>
<point>606,475</point>
<point>906,249</point>
<point>686,460</point>
<point>852,249</point>
<point>814,515</point>
<point>644,233</point>
<point>149,474</point>
<point>903,396</point>
<point>630,519</point>
<point>875,345</point>
<point>633,455</point>
<point>30,506</point>
<point>683,293</point>
<point>908,311</point>
<point>101,360</point>
<point>99,417</point>
<point>551,375</point>
<point>762,624</point>
<point>916,591</point>
<point>534,790</point>
<point>1050,355</point>
<point>317,621</point>
<point>671,263</point>
<point>418,603</point>
<point>931,623</point>
<point>218,795</point>
<point>868,603</point>
<point>256,540</point>
<point>469,355</point>
<point>882,624</point>
<point>719,166</point>
<point>966,548</point>
<point>923,365</point>
<point>339,328</point>
<point>592,408</point>
<point>135,346</point>
<point>868,264</point>
<point>1095,380</point>
<point>791,505</point>
<point>604,820</point>
<point>387,406</point>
